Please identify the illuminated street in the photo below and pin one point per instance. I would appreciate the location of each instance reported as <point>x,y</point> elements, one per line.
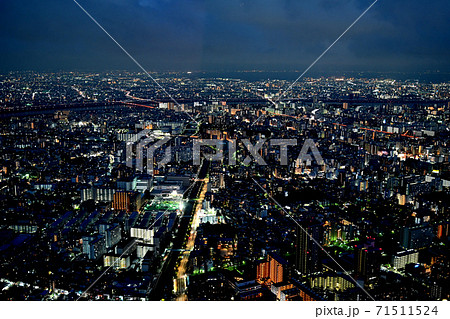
<point>180,282</point>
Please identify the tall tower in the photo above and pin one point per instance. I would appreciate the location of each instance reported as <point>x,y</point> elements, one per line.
<point>367,259</point>
<point>307,251</point>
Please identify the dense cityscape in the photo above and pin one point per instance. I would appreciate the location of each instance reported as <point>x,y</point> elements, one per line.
<point>337,189</point>
<point>223,152</point>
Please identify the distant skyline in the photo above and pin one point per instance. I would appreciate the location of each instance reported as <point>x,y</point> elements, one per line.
<point>200,35</point>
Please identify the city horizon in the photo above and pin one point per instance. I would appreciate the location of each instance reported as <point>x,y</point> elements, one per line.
<point>272,150</point>
<point>201,35</point>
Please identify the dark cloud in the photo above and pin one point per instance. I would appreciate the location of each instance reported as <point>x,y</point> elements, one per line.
<point>225,35</point>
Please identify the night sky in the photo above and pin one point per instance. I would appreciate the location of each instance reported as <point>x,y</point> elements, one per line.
<point>225,35</point>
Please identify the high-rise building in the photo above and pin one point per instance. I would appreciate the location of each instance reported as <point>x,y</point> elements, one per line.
<point>104,194</point>
<point>94,246</point>
<point>87,193</point>
<point>307,249</point>
<point>271,270</point>
<point>436,291</point>
<point>367,261</point>
<point>401,259</point>
<point>116,261</point>
<point>143,183</point>
<point>113,235</point>
<point>331,281</point>
<point>122,201</point>
<point>221,180</point>
<point>416,237</point>
<point>443,231</point>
